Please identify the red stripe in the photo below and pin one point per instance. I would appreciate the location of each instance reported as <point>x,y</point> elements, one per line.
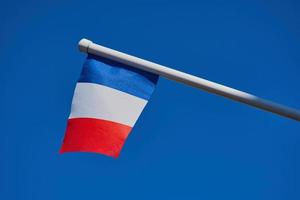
<point>95,135</point>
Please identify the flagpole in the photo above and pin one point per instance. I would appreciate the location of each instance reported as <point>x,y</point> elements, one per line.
<point>88,46</point>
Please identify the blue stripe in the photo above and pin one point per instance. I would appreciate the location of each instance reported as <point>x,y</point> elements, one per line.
<point>118,76</point>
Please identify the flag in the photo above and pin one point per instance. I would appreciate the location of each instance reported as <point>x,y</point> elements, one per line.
<point>108,99</point>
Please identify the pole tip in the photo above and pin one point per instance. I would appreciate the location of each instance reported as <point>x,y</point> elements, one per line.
<point>84,45</point>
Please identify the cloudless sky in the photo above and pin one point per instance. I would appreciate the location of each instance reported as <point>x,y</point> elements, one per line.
<point>187,144</point>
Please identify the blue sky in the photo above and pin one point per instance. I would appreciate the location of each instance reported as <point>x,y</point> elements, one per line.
<point>187,144</point>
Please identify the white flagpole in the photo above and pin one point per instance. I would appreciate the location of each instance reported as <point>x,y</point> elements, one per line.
<point>88,46</point>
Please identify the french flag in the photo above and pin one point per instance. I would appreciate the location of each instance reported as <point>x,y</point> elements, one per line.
<point>108,99</point>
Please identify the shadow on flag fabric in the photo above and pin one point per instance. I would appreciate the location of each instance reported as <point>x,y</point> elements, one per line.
<point>108,99</point>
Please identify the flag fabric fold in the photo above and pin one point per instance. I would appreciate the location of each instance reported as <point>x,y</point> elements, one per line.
<point>108,99</point>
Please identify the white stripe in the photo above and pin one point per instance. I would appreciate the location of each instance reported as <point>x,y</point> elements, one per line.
<point>97,101</point>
